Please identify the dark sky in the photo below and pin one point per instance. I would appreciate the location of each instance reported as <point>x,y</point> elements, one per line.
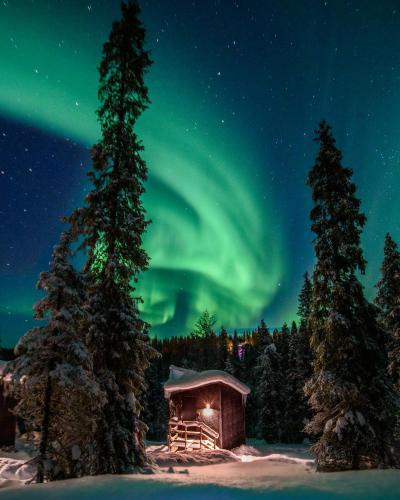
<point>237,89</point>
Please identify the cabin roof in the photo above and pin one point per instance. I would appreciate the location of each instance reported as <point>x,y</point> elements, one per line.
<point>181,379</point>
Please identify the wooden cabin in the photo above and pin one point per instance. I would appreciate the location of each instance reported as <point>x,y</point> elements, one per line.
<point>206,409</point>
<point>7,419</point>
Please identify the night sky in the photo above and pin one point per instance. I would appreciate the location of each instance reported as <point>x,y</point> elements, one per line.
<point>237,89</point>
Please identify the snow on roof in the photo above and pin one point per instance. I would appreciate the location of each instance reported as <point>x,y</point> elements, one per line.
<point>181,379</point>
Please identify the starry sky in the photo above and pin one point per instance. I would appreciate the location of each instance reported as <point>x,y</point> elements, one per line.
<point>237,88</point>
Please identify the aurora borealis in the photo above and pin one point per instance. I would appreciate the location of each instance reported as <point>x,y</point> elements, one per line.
<point>237,89</point>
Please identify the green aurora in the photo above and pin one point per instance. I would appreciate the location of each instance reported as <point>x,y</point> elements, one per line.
<point>237,88</point>
<point>212,243</point>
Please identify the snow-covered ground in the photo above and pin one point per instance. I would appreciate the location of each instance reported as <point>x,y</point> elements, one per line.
<point>254,471</point>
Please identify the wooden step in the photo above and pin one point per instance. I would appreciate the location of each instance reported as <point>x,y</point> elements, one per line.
<point>192,444</point>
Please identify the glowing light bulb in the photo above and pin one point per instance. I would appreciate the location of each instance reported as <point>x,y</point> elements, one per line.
<point>207,411</point>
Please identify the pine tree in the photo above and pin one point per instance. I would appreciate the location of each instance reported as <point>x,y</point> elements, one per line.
<point>110,229</point>
<point>52,377</point>
<point>388,301</point>
<point>350,392</point>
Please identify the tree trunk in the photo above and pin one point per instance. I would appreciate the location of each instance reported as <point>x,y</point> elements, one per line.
<point>44,431</point>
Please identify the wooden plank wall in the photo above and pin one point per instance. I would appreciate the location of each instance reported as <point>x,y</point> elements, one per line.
<point>233,418</point>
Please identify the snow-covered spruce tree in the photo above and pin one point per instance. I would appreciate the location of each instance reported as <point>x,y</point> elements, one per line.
<point>267,393</point>
<point>294,411</point>
<point>52,377</point>
<point>303,351</point>
<point>154,404</point>
<point>110,229</point>
<point>303,312</point>
<point>350,392</point>
<point>259,339</point>
<point>281,341</point>
<point>262,337</point>
<point>305,299</point>
<point>388,301</point>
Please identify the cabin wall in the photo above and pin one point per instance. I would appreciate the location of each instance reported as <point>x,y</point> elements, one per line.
<point>233,418</point>
<point>227,416</point>
<point>7,419</point>
<point>190,405</point>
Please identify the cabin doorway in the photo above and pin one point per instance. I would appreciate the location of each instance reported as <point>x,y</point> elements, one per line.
<point>188,408</point>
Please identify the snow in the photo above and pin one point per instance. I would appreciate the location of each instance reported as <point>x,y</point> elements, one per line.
<point>259,471</point>
<point>162,457</point>
<point>14,471</point>
<point>181,379</point>
<point>277,457</point>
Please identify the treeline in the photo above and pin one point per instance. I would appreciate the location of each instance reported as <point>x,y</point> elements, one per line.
<point>275,365</point>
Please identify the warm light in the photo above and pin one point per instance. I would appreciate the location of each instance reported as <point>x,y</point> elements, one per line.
<point>208,411</point>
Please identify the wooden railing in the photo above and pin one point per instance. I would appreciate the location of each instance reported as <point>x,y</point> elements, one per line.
<point>191,434</point>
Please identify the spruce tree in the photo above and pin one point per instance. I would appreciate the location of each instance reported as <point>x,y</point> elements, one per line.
<point>281,340</point>
<point>350,392</point>
<point>267,392</point>
<point>233,365</point>
<point>304,354</point>
<point>205,339</point>
<point>388,301</point>
<point>204,326</point>
<point>110,229</point>
<point>52,377</point>
<point>154,403</point>
<point>293,413</point>
<point>222,354</point>
<point>305,298</point>
<point>254,347</point>
<point>303,312</point>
